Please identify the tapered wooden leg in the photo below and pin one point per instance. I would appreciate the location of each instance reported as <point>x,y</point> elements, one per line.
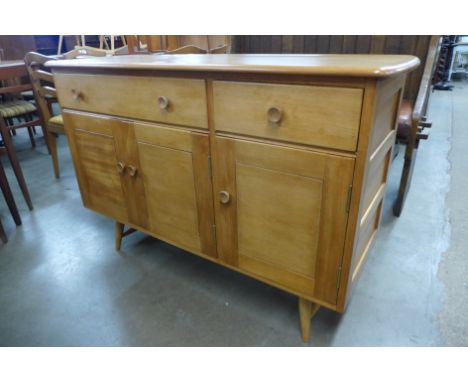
<point>31,137</point>
<point>5,187</point>
<point>119,233</point>
<point>15,163</point>
<point>3,236</point>
<point>45,133</point>
<point>407,172</point>
<point>307,310</point>
<point>52,138</point>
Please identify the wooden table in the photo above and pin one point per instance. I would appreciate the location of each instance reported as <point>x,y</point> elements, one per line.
<point>10,70</point>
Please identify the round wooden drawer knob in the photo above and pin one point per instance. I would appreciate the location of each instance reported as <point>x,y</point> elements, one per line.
<point>163,103</point>
<point>120,167</point>
<point>76,94</point>
<point>224,197</point>
<point>274,114</point>
<point>132,170</point>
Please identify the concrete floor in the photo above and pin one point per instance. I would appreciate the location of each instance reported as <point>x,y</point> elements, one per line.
<point>63,284</point>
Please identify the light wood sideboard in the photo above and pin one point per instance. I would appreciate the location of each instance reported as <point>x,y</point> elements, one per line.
<point>271,165</point>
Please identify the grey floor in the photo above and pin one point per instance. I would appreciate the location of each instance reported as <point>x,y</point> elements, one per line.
<point>63,284</point>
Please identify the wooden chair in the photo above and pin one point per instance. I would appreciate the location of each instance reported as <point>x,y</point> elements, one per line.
<point>192,49</point>
<point>5,187</point>
<point>189,44</point>
<point>82,52</point>
<point>188,49</point>
<point>79,40</point>
<point>45,94</point>
<point>138,44</point>
<point>412,120</point>
<point>9,72</point>
<point>15,111</point>
<point>209,43</point>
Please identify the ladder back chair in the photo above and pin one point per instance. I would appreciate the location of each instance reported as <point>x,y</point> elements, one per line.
<point>13,110</point>
<point>181,44</point>
<point>45,94</point>
<point>43,87</point>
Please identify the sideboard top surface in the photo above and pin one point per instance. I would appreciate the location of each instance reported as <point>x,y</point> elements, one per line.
<point>355,65</point>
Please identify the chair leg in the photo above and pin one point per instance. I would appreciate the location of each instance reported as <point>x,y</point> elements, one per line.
<point>45,133</point>
<point>3,236</point>
<point>15,163</point>
<point>406,174</point>
<point>29,118</point>
<point>31,137</point>
<point>119,233</point>
<point>52,139</point>
<point>5,187</point>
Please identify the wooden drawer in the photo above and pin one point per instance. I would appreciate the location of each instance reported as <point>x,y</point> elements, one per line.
<point>314,115</point>
<point>136,97</point>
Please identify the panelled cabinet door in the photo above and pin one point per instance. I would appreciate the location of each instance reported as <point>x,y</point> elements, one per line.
<point>93,149</point>
<point>281,213</point>
<point>175,169</point>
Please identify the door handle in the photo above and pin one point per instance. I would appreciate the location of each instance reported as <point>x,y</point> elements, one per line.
<point>120,167</point>
<point>224,197</point>
<point>131,170</point>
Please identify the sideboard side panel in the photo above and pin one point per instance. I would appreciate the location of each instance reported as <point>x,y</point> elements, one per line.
<point>382,100</point>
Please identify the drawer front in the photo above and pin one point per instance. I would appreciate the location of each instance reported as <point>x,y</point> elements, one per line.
<point>314,115</point>
<point>166,100</point>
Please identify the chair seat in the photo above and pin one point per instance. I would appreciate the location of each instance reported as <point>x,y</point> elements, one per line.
<point>56,120</point>
<point>404,119</point>
<point>16,108</point>
<point>55,125</point>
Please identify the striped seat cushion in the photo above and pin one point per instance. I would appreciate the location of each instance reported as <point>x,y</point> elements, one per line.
<point>57,120</point>
<point>16,108</point>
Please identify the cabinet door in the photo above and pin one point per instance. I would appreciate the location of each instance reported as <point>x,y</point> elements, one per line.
<point>93,149</point>
<point>281,213</point>
<point>175,169</point>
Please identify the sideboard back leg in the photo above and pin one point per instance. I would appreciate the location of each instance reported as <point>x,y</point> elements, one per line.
<point>307,310</point>
<point>119,231</point>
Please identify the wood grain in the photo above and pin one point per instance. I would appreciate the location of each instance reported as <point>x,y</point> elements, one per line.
<point>289,212</point>
<point>354,65</point>
<point>297,207</point>
<point>204,192</point>
<point>104,94</point>
<point>322,116</point>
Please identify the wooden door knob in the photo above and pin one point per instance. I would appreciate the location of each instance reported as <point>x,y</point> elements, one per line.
<point>76,94</point>
<point>163,103</point>
<point>224,197</point>
<point>131,170</point>
<point>120,167</point>
<point>274,114</point>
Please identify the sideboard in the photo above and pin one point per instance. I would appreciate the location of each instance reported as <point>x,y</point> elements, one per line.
<point>271,165</point>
